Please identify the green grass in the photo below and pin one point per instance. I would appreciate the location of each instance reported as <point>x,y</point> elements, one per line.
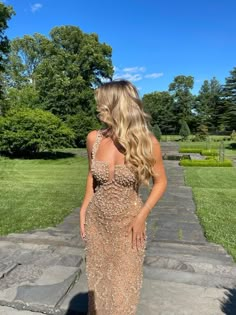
<point>214,191</point>
<point>39,193</point>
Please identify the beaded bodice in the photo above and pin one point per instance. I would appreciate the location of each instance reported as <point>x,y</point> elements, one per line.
<point>101,170</point>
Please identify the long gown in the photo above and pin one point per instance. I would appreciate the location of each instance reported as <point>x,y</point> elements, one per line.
<point>114,269</point>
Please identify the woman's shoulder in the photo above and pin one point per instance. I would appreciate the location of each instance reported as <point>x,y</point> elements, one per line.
<point>153,138</point>
<point>91,136</point>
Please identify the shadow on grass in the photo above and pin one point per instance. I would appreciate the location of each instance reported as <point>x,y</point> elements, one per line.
<point>228,306</point>
<point>54,155</point>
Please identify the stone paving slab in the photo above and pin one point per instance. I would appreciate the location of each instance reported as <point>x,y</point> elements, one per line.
<point>37,288</point>
<point>4,310</point>
<point>171,298</point>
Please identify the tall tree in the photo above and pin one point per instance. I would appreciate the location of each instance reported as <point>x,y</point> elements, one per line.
<point>208,106</point>
<point>63,69</point>
<point>180,89</point>
<point>161,108</point>
<point>5,14</point>
<point>229,99</point>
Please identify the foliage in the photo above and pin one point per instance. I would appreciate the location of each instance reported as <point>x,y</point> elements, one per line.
<point>229,98</point>
<point>233,135</point>
<point>157,131</point>
<point>190,150</point>
<point>183,98</point>
<point>184,130</point>
<point>27,131</point>
<point>6,13</point>
<point>210,152</point>
<point>206,163</point>
<point>63,69</point>
<point>202,133</point>
<point>160,106</point>
<point>26,96</point>
<point>208,104</point>
<point>82,124</point>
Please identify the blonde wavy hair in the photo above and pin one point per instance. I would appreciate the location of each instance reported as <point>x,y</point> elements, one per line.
<point>120,108</point>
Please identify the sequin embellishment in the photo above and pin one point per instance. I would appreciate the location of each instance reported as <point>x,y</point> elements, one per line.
<point>114,269</point>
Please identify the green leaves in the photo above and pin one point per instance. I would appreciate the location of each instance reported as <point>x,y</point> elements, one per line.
<point>27,131</point>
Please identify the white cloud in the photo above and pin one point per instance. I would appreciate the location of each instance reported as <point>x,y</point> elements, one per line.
<point>134,74</point>
<point>154,75</point>
<point>134,69</point>
<point>35,7</point>
<point>128,76</point>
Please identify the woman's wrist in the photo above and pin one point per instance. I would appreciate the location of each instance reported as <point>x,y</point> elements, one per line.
<point>144,212</point>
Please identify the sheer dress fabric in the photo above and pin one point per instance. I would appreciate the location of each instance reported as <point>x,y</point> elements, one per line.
<point>114,269</point>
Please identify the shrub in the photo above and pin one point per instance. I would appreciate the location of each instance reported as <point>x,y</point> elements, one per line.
<point>233,135</point>
<point>202,133</point>
<point>81,124</point>
<point>207,163</point>
<point>29,131</point>
<point>184,130</point>
<point>190,150</point>
<point>157,131</point>
<point>210,152</point>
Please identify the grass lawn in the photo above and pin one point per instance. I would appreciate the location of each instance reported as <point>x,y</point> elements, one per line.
<point>214,191</point>
<point>39,193</point>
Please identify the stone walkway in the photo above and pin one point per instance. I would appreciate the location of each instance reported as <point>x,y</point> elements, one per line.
<point>43,271</point>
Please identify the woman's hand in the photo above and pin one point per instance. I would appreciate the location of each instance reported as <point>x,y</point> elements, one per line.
<point>137,227</point>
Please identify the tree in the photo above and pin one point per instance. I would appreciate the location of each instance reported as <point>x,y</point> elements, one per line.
<point>82,124</point>
<point>229,101</point>
<point>183,98</point>
<point>25,56</point>
<point>157,131</point>
<point>5,14</point>
<point>208,104</point>
<point>29,131</point>
<point>160,106</point>
<point>184,130</point>
<point>64,68</point>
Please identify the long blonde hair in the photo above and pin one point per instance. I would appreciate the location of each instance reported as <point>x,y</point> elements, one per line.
<point>121,109</point>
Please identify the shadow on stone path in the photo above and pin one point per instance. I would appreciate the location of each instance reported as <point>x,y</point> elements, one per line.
<point>43,271</point>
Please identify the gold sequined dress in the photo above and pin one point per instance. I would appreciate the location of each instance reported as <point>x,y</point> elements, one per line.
<point>114,269</point>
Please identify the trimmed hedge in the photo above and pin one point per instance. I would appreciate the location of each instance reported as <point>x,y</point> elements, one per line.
<point>190,150</point>
<point>212,152</point>
<point>208,163</point>
<point>207,152</point>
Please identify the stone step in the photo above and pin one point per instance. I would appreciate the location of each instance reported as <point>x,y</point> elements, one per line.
<point>212,266</point>
<point>50,236</point>
<point>201,253</point>
<point>178,235</point>
<point>172,298</point>
<point>179,276</point>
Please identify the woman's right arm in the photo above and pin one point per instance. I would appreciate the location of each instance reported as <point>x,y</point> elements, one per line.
<point>89,184</point>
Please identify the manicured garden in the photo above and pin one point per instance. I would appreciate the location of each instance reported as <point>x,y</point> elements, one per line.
<point>38,193</point>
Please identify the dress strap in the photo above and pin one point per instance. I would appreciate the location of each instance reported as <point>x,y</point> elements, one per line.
<point>96,143</point>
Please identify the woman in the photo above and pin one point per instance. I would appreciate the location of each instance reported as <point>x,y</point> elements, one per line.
<point>122,156</point>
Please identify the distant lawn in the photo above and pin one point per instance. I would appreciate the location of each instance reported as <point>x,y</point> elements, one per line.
<point>214,191</point>
<point>39,193</point>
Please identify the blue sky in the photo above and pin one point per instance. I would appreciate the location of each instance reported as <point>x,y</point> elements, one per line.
<point>153,41</point>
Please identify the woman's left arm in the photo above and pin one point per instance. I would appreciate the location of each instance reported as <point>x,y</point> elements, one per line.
<point>159,181</point>
<point>159,186</point>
